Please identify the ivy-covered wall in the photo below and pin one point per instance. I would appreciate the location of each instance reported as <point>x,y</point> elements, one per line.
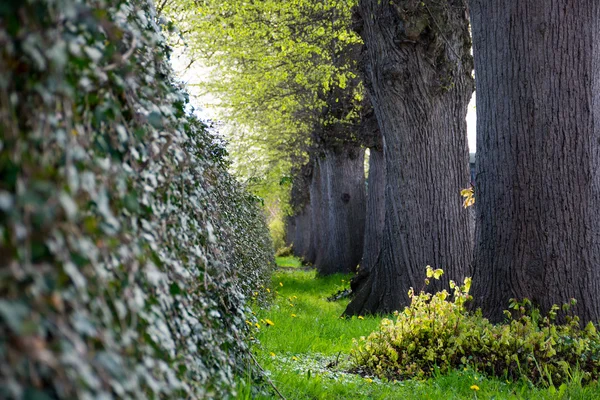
<point>126,250</point>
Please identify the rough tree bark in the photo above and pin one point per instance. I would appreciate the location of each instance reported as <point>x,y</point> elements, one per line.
<point>375,212</point>
<point>337,196</point>
<point>299,225</point>
<point>420,72</point>
<point>538,154</point>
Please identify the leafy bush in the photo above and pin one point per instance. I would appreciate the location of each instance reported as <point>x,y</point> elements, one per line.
<point>436,331</point>
<point>127,251</point>
<point>286,251</point>
<point>277,229</point>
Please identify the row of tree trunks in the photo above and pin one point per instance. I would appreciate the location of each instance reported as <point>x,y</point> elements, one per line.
<point>329,230</point>
<point>420,80</point>
<point>373,228</point>
<point>299,233</point>
<point>338,201</point>
<point>375,212</point>
<point>538,154</point>
<point>337,186</point>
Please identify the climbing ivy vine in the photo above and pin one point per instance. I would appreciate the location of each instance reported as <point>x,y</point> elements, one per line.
<point>126,250</point>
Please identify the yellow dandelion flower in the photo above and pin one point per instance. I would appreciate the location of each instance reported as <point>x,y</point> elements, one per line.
<point>475,387</point>
<point>269,322</point>
<point>272,354</point>
<point>257,325</point>
<point>291,305</point>
<point>295,358</point>
<point>361,317</point>
<point>294,315</point>
<point>268,290</point>
<point>280,284</point>
<point>369,380</point>
<point>294,297</point>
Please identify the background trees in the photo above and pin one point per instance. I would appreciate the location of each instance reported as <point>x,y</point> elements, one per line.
<point>538,154</point>
<point>285,72</point>
<point>289,73</point>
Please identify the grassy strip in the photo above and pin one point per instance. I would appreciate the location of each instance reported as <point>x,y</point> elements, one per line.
<point>289,262</point>
<point>306,352</point>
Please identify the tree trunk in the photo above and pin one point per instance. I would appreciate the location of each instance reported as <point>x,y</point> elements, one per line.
<point>538,154</point>
<point>420,72</point>
<point>338,205</point>
<point>299,225</point>
<point>374,217</point>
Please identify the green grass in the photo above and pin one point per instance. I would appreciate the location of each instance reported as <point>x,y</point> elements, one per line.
<point>307,335</point>
<point>288,262</point>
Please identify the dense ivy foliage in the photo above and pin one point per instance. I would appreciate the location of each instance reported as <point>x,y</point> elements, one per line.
<point>126,250</point>
<point>436,332</point>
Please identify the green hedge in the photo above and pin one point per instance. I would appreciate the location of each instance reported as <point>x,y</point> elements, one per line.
<point>126,250</point>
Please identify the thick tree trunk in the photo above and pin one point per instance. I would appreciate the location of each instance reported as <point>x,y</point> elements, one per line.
<point>375,215</point>
<point>299,234</point>
<point>338,205</point>
<point>299,225</point>
<point>420,73</point>
<point>538,154</point>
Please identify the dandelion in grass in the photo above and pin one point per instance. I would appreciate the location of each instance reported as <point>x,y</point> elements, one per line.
<point>361,317</point>
<point>294,315</point>
<point>257,325</point>
<point>280,284</point>
<point>291,305</point>
<point>268,290</point>
<point>272,354</point>
<point>269,322</point>
<point>475,387</point>
<point>295,358</point>
<point>369,380</point>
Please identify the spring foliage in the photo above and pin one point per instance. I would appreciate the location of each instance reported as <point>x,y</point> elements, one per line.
<point>275,65</point>
<point>127,251</point>
<point>437,332</point>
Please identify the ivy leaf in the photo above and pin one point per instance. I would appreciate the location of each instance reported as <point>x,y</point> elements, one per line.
<point>155,119</point>
<point>14,314</point>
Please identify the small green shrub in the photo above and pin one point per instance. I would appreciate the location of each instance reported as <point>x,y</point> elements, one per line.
<point>277,229</point>
<point>286,251</point>
<point>436,332</point>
